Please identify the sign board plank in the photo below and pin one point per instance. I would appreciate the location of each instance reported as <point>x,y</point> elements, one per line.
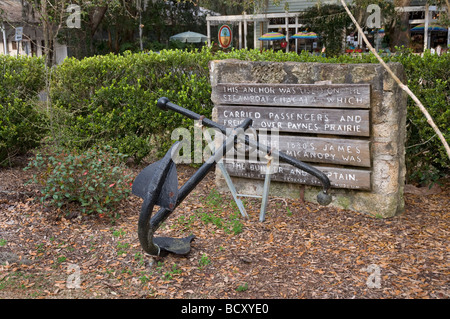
<point>348,122</point>
<point>339,177</point>
<point>293,95</point>
<point>319,150</point>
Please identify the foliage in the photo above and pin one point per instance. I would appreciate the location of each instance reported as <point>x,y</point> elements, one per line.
<point>204,261</point>
<point>231,224</point>
<point>112,99</point>
<point>429,79</point>
<point>116,26</point>
<point>95,179</point>
<point>162,19</point>
<point>21,124</point>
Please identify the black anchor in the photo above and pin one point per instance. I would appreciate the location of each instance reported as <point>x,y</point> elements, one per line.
<point>157,184</point>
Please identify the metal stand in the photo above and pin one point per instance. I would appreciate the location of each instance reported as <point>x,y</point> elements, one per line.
<point>236,195</point>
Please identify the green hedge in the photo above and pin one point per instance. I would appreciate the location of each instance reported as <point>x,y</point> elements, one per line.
<point>21,125</point>
<point>112,100</point>
<point>429,79</point>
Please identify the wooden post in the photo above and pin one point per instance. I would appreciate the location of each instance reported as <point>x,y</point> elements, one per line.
<point>5,41</point>
<point>296,30</point>
<point>240,35</point>
<point>287,32</point>
<point>425,31</point>
<point>208,26</point>
<point>448,37</point>
<point>245,31</point>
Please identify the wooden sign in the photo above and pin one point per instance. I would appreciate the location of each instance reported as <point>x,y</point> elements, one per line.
<point>320,150</point>
<point>288,116</point>
<point>339,177</point>
<point>293,95</point>
<point>298,120</point>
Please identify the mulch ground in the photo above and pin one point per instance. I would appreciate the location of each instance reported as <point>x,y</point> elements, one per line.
<point>302,250</point>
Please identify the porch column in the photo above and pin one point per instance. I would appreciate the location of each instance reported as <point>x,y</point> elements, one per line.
<point>240,35</point>
<point>296,31</point>
<point>245,31</point>
<point>255,37</point>
<point>287,32</point>
<point>5,41</point>
<point>426,43</point>
<point>208,26</point>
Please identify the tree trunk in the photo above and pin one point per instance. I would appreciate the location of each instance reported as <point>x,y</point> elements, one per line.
<point>399,31</point>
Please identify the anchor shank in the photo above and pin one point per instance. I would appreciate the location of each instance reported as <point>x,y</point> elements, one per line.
<point>165,104</point>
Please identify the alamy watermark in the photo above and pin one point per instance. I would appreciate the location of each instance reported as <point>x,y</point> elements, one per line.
<point>73,21</point>
<point>374,19</point>
<point>74,279</point>
<point>374,280</point>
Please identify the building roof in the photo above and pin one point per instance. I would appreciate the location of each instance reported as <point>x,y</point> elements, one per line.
<point>296,5</point>
<point>302,5</point>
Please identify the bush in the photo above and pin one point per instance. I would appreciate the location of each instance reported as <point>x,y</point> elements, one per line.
<point>21,125</point>
<point>112,99</point>
<point>95,179</point>
<point>429,79</point>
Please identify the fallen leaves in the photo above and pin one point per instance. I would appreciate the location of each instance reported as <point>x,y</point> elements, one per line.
<point>305,251</point>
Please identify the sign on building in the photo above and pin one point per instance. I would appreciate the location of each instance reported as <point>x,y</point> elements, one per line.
<point>18,34</point>
<point>225,36</point>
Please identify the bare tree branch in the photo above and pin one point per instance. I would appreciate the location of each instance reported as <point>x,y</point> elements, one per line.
<point>403,86</point>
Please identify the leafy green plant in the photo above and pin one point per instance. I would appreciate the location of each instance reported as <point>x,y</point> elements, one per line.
<point>168,275</point>
<point>144,279</point>
<point>96,180</point>
<point>119,233</point>
<point>216,214</point>
<point>122,248</point>
<point>429,78</point>
<point>204,261</point>
<point>243,287</point>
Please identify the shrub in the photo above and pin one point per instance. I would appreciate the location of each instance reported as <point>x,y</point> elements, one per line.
<point>429,79</point>
<point>95,179</point>
<point>112,99</point>
<point>21,124</point>
<point>20,128</point>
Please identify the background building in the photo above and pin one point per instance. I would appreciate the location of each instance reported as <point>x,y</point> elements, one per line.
<point>16,15</point>
<point>285,17</point>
